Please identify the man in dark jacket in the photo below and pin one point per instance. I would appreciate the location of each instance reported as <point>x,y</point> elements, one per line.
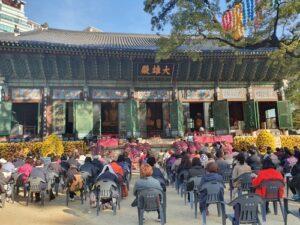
<point>89,168</point>
<point>96,162</point>
<point>295,182</point>
<point>254,161</point>
<point>196,169</point>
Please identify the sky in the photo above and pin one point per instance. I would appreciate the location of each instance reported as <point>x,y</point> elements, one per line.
<point>126,16</point>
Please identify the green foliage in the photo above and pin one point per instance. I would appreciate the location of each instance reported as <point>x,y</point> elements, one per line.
<point>293,94</point>
<point>194,22</point>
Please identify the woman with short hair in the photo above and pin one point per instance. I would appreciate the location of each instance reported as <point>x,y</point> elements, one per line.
<point>146,181</point>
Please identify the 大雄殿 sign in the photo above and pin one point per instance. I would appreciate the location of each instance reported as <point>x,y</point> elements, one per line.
<point>156,69</point>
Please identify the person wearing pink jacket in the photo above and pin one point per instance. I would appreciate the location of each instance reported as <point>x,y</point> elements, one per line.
<point>26,169</point>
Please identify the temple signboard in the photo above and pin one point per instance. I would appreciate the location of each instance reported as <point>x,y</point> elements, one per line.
<point>233,94</point>
<point>197,94</point>
<point>162,95</point>
<point>26,94</point>
<point>66,94</point>
<point>107,94</point>
<point>264,94</point>
<point>156,69</point>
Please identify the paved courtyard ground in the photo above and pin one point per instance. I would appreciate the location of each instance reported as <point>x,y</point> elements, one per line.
<point>56,212</point>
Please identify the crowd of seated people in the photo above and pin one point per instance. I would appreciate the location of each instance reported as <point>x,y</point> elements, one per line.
<point>208,163</point>
<point>70,168</point>
<point>273,165</point>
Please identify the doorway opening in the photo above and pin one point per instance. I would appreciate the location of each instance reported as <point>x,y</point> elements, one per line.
<point>268,115</point>
<point>236,114</point>
<point>197,114</point>
<point>69,119</point>
<point>154,119</point>
<point>110,118</point>
<point>27,115</point>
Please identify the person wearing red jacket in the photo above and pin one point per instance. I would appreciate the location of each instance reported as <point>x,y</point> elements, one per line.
<point>268,172</point>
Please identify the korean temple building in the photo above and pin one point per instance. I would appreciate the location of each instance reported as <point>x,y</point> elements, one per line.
<point>76,83</point>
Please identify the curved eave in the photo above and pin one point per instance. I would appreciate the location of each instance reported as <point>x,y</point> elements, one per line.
<point>125,51</point>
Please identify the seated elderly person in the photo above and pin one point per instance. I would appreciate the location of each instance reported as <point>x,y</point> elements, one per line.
<point>8,166</point>
<point>268,172</point>
<point>157,173</point>
<point>211,175</point>
<point>3,180</point>
<point>91,169</point>
<point>38,171</point>
<point>55,166</point>
<point>146,181</point>
<point>73,180</point>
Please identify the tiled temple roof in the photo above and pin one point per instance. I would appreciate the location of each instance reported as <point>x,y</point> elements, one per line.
<point>102,40</point>
<point>54,54</point>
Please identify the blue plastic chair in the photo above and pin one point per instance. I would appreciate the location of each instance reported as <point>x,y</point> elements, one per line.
<point>246,208</point>
<point>214,195</point>
<point>150,200</point>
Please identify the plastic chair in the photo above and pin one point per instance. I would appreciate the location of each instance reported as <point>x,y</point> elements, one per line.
<point>226,173</point>
<point>150,200</point>
<point>36,185</point>
<point>245,184</point>
<point>18,182</point>
<point>246,209</point>
<point>214,195</point>
<point>273,194</point>
<point>192,183</point>
<point>287,211</point>
<point>182,181</point>
<point>107,190</point>
<point>53,181</point>
<point>127,178</point>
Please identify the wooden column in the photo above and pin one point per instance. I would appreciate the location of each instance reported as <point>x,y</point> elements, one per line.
<point>1,88</point>
<point>45,112</point>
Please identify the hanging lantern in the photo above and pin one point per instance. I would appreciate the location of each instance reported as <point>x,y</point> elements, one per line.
<point>244,12</point>
<point>227,20</point>
<point>238,28</point>
<point>252,6</point>
<point>248,9</point>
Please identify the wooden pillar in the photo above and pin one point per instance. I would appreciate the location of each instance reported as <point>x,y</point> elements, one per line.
<point>46,112</point>
<point>206,114</point>
<point>1,88</point>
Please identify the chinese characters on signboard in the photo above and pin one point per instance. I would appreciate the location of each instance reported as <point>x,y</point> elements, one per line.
<point>69,94</point>
<point>152,69</point>
<point>264,94</point>
<point>232,94</point>
<point>197,94</point>
<point>107,94</point>
<point>26,94</point>
<point>163,95</point>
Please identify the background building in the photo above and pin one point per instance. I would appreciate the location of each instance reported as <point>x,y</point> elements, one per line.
<point>76,83</point>
<point>12,14</point>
